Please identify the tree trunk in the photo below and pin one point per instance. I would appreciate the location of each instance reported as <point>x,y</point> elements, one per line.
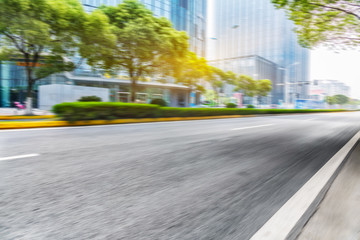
<point>259,101</point>
<point>29,97</point>
<point>217,97</point>
<point>133,89</point>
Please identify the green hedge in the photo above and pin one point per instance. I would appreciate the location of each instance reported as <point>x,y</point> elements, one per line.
<point>107,111</point>
<point>200,112</point>
<point>104,110</point>
<point>90,99</point>
<point>231,105</point>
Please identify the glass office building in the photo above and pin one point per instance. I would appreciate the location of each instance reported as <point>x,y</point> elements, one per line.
<point>186,15</point>
<point>256,27</point>
<point>254,66</point>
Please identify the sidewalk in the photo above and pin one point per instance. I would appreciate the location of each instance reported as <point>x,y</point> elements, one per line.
<point>338,215</point>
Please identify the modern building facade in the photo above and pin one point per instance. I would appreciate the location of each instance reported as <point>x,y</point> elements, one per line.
<point>13,83</point>
<point>69,88</point>
<point>186,15</point>
<point>256,27</point>
<point>14,88</point>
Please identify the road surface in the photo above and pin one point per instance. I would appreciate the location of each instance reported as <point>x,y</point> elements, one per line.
<point>207,179</point>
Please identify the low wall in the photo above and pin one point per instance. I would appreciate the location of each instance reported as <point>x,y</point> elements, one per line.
<point>50,95</point>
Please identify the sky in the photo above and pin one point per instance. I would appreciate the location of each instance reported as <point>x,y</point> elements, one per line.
<point>343,66</point>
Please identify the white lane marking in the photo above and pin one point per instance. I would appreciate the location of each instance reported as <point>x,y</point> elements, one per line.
<point>19,156</point>
<point>292,216</point>
<point>258,126</point>
<point>310,119</point>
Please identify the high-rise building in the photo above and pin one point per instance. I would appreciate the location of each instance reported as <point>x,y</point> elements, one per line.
<point>186,15</point>
<point>246,28</point>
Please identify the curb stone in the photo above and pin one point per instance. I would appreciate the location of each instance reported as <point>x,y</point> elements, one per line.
<point>289,220</point>
<point>44,124</point>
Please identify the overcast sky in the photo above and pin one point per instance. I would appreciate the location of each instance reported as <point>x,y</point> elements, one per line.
<point>343,66</point>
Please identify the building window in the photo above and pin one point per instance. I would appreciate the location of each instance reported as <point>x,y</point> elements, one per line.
<point>183,4</point>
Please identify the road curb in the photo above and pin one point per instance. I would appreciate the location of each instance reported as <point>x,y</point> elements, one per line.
<point>44,124</point>
<point>288,221</point>
<point>26,117</point>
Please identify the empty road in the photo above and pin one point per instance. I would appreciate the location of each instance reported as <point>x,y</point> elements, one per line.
<point>207,179</point>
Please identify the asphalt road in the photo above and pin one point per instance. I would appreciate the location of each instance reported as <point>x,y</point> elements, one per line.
<point>208,179</point>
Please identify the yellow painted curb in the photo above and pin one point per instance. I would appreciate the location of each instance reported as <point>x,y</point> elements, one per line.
<point>20,125</point>
<point>26,117</point>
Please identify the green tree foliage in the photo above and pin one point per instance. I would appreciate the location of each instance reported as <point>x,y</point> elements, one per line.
<point>246,84</point>
<point>341,99</point>
<point>330,100</point>
<point>354,102</point>
<point>252,87</point>
<point>324,21</point>
<point>159,101</point>
<point>43,33</point>
<point>337,99</point>
<point>210,95</point>
<point>192,70</point>
<point>264,86</point>
<point>145,45</point>
<point>231,105</point>
<point>217,78</point>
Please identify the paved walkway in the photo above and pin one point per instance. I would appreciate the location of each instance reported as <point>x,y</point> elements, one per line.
<point>14,111</point>
<point>338,216</point>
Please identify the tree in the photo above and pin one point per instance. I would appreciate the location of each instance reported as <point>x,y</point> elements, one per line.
<point>324,21</point>
<point>191,71</point>
<point>337,99</point>
<point>341,99</point>
<point>246,84</point>
<point>252,87</point>
<point>44,33</point>
<point>210,95</point>
<point>145,45</point>
<point>330,100</point>
<point>264,86</point>
<point>354,101</point>
<point>217,78</point>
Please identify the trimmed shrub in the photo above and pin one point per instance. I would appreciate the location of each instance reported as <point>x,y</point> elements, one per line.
<point>104,110</point>
<point>250,106</point>
<point>159,101</point>
<point>90,99</point>
<point>109,110</point>
<point>196,112</point>
<point>231,105</point>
